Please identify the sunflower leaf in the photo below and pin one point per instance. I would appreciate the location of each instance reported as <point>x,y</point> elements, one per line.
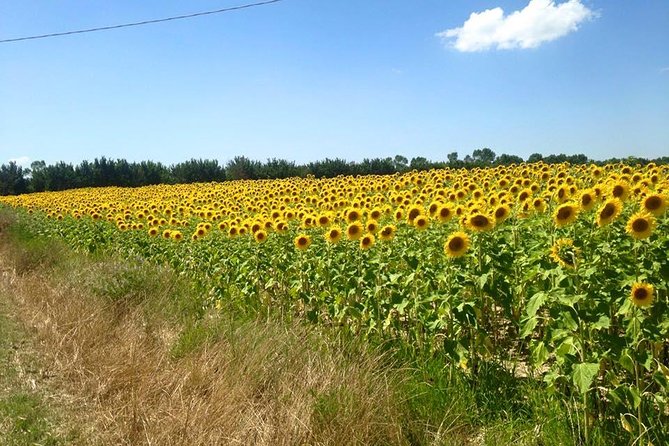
<point>584,374</point>
<point>535,303</point>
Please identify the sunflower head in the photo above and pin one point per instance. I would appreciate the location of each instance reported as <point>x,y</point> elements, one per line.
<point>539,205</point>
<point>620,190</point>
<point>372,226</point>
<point>445,213</point>
<point>333,235</point>
<point>421,222</point>
<point>413,212</point>
<point>457,244</point>
<point>642,294</point>
<point>655,204</point>
<point>302,242</point>
<point>260,235</point>
<point>167,233</point>
<point>480,222</point>
<point>565,253</point>
<point>565,214</point>
<point>608,212</point>
<point>367,241</point>
<point>353,215</point>
<point>501,213</point>
<point>587,200</point>
<point>153,231</point>
<point>323,220</point>
<point>387,232</point>
<point>640,225</point>
<point>354,231</point>
<point>177,235</point>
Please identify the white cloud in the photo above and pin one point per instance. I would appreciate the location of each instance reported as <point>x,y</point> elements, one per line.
<point>22,161</point>
<point>664,70</point>
<point>540,21</point>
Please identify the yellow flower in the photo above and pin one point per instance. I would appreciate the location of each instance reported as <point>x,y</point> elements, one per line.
<point>387,233</point>
<point>620,190</point>
<point>354,231</point>
<point>608,212</point>
<point>565,253</point>
<point>421,222</point>
<point>480,222</point>
<point>640,225</point>
<point>445,213</point>
<point>587,200</point>
<point>456,245</point>
<point>501,213</point>
<point>167,233</point>
<point>323,220</point>
<point>413,212</point>
<point>260,235</point>
<point>153,232</point>
<point>367,241</point>
<point>302,242</point>
<point>642,294</point>
<point>352,215</point>
<point>565,214</point>
<point>372,226</point>
<point>656,204</point>
<point>333,235</point>
<point>539,205</point>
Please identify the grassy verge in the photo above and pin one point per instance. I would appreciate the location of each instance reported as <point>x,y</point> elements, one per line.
<point>153,367</point>
<point>27,417</point>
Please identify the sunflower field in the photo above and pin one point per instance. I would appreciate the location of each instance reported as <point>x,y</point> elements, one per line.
<point>554,272</point>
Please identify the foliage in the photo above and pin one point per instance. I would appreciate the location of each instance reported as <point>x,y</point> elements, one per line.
<point>533,291</point>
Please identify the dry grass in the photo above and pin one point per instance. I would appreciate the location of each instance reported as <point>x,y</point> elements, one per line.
<point>257,382</point>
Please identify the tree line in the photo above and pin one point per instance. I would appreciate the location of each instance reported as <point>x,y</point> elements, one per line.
<point>15,179</point>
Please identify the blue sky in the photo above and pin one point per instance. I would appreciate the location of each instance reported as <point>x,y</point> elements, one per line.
<point>309,79</point>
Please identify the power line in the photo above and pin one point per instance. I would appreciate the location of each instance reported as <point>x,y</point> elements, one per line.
<point>145,22</point>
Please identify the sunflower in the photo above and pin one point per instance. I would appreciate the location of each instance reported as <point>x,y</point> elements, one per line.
<point>153,232</point>
<point>620,190</point>
<point>656,204</point>
<point>642,294</point>
<point>354,231</point>
<point>640,225</point>
<point>167,233</point>
<point>323,220</point>
<point>421,222</point>
<point>587,200</point>
<point>352,215</point>
<point>260,235</point>
<point>302,242</point>
<point>387,233</point>
<point>456,245</point>
<point>375,213</point>
<point>445,213</point>
<point>372,226</point>
<point>413,212</point>
<point>333,235</point>
<point>539,205</point>
<point>609,211</point>
<point>565,253</point>
<point>177,235</point>
<point>480,222</point>
<point>367,241</point>
<point>501,213</point>
<point>233,231</point>
<point>565,214</point>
